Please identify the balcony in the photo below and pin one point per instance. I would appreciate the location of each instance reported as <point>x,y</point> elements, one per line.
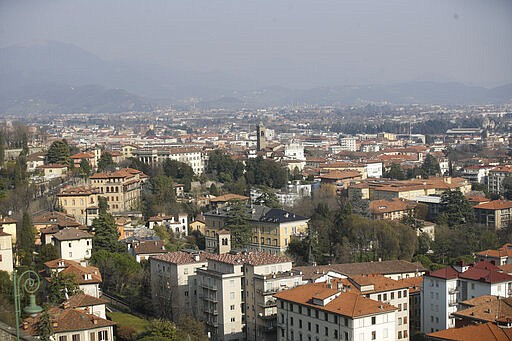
<point>268,304</point>
<point>211,311</point>
<point>212,323</point>
<point>267,291</point>
<point>267,317</point>
<point>211,299</point>
<point>452,303</point>
<point>209,286</point>
<point>452,291</point>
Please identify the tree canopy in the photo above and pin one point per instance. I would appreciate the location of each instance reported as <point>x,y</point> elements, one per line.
<point>58,152</point>
<point>238,223</point>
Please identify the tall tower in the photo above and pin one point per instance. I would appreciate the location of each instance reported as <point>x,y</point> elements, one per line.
<point>261,137</point>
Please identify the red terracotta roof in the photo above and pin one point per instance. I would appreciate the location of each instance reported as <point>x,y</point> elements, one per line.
<point>494,205</point>
<point>487,332</point>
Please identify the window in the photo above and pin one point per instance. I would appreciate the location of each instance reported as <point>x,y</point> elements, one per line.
<point>385,297</point>
<point>92,336</point>
<point>300,324</point>
<point>399,306</point>
<point>405,319</point>
<point>405,306</point>
<point>374,335</point>
<point>185,271</point>
<point>405,293</point>
<point>400,334</point>
<point>103,335</point>
<point>392,295</point>
<point>379,297</point>
<point>346,322</point>
<point>374,320</point>
<point>186,293</point>
<point>326,331</point>
<point>399,294</point>
<point>232,295</point>
<point>63,338</point>
<point>399,321</point>
<point>317,328</point>
<point>291,321</point>
<point>335,333</point>
<point>232,319</point>
<point>316,313</point>
<point>70,254</point>
<point>309,326</point>
<point>69,244</point>
<point>232,307</point>
<point>75,337</point>
<point>405,333</point>
<point>326,316</point>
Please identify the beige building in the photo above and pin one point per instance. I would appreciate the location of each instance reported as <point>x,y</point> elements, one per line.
<point>54,170</point>
<point>391,209</point>
<point>272,228</point>
<point>9,226</point>
<point>88,277</point>
<point>121,188</point>
<point>73,324</point>
<point>80,202</point>
<point>6,259</point>
<point>496,214</point>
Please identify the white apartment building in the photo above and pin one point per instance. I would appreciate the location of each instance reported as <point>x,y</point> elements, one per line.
<point>386,290</point>
<point>496,177</point>
<point>177,224</point>
<point>73,244</point>
<point>374,170</point>
<point>323,311</point>
<point>443,289</point>
<point>174,282</point>
<point>191,156</point>
<point>294,151</point>
<point>348,143</point>
<point>476,174</point>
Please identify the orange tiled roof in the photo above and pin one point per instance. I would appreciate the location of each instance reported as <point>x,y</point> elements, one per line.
<point>228,197</point>
<point>488,332</point>
<point>346,304</point>
<point>495,205</point>
<point>391,205</point>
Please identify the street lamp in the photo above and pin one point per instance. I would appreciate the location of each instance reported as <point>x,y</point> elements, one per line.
<point>28,282</point>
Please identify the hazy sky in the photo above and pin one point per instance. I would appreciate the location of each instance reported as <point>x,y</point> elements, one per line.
<point>284,42</point>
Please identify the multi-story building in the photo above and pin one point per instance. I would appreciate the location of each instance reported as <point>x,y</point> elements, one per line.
<point>496,214</point>
<point>80,202</point>
<point>122,188</point>
<point>498,257</point>
<point>174,282</point>
<point>6,260</point>
<point>191,156</point>
<point>391,209</point>
<point>387,290</point>
<point>88,277</point>
<point>73,244</point>
<point>324,311</point>
<point>177,224</point>
<point>496,177</point>
<point>348,143</point>
<point>9,226</point>
<point>443,289</point>
<point>272,228</point>
<point>237,302</point>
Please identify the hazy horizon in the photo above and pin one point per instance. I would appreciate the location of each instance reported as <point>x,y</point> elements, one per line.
<point>297,44</point>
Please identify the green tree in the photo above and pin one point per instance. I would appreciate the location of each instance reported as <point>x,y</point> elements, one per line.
<point>58,152</point>
<point>2,149</point>
<point>395,172</point>
<point>85,169</point>
<point>268,198</point>
<point>61,284</point>
<point>455,209</point>
<point>187,326</point>
<point>214,190</point>
<point>159,196</point>
<point>44,326</point>
<point>26,240</point>
<point>106,163</point>
<point>164,329</point>
<point>238,223</point>
<point>430,166</point>
<point>46,253</point>
<point>105,231</point>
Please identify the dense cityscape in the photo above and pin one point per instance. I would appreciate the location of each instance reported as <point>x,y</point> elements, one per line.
<point>282,223</point>
<point>289,170</point>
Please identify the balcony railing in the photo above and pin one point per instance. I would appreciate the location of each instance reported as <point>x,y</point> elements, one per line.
<point>452,291</point>
<point>267,291</point>
<point>268,304</point>
<point>209,286</point>
<point>452,303</point>
<point>211,299</point>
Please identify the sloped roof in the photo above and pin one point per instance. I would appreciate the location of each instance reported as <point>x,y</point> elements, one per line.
<point>487,332</point>
<point>67,320</point>
<point>348,304</point>
<point>83,300</point>
<point>494,205</point>
<point>71,234</point>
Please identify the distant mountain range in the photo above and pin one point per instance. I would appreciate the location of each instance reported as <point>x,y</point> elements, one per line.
<point>60,78</point>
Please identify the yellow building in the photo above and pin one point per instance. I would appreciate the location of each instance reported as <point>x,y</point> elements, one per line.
<point>272,228</point>
<point>80,202</point>
<point>121,188</point>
